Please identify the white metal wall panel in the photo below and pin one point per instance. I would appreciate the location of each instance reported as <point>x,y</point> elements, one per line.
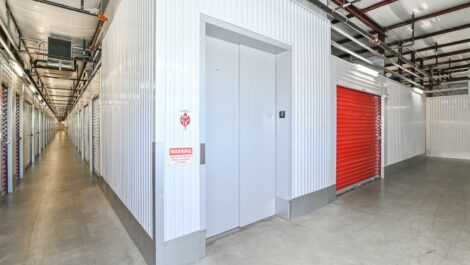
<point>178,83</point>
<point>86,132</point>
<point>448,126</point>
<point>27,133</point>
<point>127,107</point>
<point>96,135</point>
<point>36,131</point>
<point>405,123</point>
<point>345,74</point>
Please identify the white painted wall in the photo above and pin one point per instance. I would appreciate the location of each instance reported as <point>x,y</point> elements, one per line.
<point>127,107</point>
<point>178,84</point>
<point>405,118</point>
<point>448,126</point>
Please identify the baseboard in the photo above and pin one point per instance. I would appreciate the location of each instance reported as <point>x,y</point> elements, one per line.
<point>305,204</point>
<point>143,241</point>
<point>405,164</point>
<point>186,249</point>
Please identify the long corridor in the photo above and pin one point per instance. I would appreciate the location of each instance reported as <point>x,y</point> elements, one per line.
<point>59,216</point>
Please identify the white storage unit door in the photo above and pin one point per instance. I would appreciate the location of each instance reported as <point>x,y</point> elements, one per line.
<point>27,133</point>
<point>240,135</point>
<point>17,136</point>
<point>4,138</point>
<point>96,135</point>
<point>36,132</point>
<point>86,132</point>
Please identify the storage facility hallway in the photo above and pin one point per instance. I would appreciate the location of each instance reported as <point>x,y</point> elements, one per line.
<point>235,132</point>
<point>58,215</point>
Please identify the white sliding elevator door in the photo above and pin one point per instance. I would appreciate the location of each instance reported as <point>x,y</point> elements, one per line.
<point>240,135</point>
<point>257,135</point>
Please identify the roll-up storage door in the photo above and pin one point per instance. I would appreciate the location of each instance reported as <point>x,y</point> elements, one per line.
<point>86,132</point>
<point>96,135</point>
<point>17,136</point>
<point>27,133</point>
<point>4,139</point>
<point>358,137</point>
<point>36,132</point>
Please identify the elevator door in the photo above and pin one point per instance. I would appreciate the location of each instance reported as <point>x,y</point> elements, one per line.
<point>358,137</point>
<point>239,132</point>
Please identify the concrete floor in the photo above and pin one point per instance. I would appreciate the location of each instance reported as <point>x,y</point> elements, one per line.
<point>419,216</point>
<point>59,216</point>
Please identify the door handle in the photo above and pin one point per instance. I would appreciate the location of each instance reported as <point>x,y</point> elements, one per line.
<point>202,154</point>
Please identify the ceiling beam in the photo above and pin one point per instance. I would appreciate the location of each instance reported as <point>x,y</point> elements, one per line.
<point>433,34</point>
<point>357,13</point>
<point>370,8</point>
<point>428,16</point>
<point>440,56</point>
<point>424,36</point>
<point>439,46</point>
<point>66,7</point>
<point>378,5</point>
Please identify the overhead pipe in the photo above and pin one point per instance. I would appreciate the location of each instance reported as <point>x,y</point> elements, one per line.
<point>365,46</point>
<point>372,65</point>
<point>66,7</point>
<point>344,49</point>
<point>366,34</point>
<point>446,90</point>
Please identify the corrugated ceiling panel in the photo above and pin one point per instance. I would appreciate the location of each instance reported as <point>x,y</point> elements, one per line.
<point>448,126</point>
<point>127,107</point>
<point>178,83</point>
<point>405,123</point>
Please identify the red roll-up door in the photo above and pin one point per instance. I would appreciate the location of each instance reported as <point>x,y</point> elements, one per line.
<point>358,137</point>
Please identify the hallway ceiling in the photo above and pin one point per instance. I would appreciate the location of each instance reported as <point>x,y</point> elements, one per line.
<point>444,22</point>
<point>37,20</point>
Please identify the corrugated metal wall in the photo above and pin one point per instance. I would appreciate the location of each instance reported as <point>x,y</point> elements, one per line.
<point>345,74</point>
<point>127,107</point>
<point>448,126</point>
<point>405,123</point>
<point>178,84</point>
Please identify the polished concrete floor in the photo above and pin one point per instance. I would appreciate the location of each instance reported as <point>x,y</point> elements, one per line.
<point>58,215</point>
<point>419,216</point>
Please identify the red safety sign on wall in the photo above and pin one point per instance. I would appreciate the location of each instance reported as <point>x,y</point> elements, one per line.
<point>181,155</point>
<point>185,120</point>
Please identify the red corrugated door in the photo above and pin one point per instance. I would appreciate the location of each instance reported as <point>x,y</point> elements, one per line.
<point>358,137</point>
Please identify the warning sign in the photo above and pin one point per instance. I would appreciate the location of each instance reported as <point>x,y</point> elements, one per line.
<point>181,156</point>
<point>185,120</point>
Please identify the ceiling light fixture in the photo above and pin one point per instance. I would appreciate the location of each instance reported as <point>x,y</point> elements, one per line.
<point>32,88</point>
<point>366,70</point>
<point>17,68</point>
<point>418,90</point>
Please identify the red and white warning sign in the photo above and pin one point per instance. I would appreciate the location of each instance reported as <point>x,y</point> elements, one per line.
<point>181,156</point>
<point>185,120</point>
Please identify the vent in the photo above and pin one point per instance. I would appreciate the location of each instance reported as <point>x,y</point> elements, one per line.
<point>60,53</point>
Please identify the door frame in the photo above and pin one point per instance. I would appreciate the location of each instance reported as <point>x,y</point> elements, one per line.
<point>283,102</point>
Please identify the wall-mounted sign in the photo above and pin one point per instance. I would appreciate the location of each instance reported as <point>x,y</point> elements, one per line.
<point>181,156</point>
<point>185,119</point>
